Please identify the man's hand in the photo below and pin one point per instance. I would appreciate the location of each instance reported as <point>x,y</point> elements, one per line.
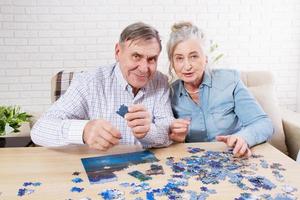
<point>139,120</point>
<point>100,134</point>
<point>239,145</point>
<point>179,129</point>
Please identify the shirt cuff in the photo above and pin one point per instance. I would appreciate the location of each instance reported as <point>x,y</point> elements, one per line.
<point>75,131</point>
<point>246,135</point>
<point>156,137</point>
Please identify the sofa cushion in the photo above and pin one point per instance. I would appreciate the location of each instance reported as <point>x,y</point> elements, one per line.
<point>265,95</point>
<point>60,83</point>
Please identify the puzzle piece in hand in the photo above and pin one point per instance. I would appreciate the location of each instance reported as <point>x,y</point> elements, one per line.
<point>122,110</point>
<point>139,175</point>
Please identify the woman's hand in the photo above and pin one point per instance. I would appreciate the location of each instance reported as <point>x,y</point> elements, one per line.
<point>239,144</point>
<point>179,129</point>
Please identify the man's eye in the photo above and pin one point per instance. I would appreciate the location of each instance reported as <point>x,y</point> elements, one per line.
<point>136,57</point>
<point>152,60</point>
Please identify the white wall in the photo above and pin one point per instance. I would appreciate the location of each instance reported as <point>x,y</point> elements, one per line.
<point>40,37</point>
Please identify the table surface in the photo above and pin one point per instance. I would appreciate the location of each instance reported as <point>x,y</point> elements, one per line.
<point>53,167</point>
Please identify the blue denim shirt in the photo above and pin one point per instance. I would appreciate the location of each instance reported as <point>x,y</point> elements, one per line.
<point>226,107</point>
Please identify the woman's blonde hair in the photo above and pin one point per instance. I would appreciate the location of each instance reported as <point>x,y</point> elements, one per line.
<point>180,32</point>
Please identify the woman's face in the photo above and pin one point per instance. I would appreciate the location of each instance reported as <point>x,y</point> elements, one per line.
<point>189,61</point>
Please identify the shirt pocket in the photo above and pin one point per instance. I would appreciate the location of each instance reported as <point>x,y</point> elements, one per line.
<point>224,116</point>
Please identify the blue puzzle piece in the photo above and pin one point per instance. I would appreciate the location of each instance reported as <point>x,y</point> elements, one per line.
<point>122,110</point>
<point>77,180</point>
<point>76,189</point>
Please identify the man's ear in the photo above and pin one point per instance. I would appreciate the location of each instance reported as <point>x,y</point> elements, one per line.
<point>117,51</point>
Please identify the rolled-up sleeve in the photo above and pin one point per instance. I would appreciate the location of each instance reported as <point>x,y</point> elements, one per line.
<point>64,122</point>
<point>257,127</point>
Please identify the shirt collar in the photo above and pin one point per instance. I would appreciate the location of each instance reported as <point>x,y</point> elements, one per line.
<point>120,79</point>
<point>206,81</point>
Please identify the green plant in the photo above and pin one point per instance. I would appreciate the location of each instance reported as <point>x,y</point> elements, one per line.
<point>11,116</point>
<point>213,51</point>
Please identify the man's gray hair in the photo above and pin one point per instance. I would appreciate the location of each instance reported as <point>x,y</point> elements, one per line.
<point>139,30</point>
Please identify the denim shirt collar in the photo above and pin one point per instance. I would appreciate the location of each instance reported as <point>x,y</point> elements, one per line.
<point>206,81</point>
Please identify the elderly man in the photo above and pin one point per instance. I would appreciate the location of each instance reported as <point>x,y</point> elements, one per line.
<point>88,111</point>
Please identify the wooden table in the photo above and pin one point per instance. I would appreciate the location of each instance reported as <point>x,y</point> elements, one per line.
<point>53,167</point>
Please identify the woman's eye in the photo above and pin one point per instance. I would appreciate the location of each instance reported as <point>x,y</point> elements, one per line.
<point>179,59</point>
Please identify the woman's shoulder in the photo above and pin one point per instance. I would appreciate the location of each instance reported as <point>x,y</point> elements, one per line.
<point>224,77</point>
<point>176,84</point>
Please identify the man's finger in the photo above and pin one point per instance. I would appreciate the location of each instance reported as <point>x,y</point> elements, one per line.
<point>140,129</point>
<point>136,108</point>
<point>112,130</point>
<point>138,122</point>
<point>137,115</point>
<point>109,138</point>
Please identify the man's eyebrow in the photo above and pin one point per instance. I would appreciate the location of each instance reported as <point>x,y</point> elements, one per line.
<point>150,57</point>
<point>136,53</point>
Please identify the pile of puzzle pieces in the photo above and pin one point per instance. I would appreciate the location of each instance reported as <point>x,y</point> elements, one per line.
<point>208,168</point>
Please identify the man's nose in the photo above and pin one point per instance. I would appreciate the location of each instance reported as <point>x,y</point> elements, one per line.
<point>144,66</point>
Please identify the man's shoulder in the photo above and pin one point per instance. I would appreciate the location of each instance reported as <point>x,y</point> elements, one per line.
<point>100,73</point>
<point>159,78</point>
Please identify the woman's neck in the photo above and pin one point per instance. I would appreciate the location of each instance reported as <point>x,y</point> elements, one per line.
<point>192,87</point>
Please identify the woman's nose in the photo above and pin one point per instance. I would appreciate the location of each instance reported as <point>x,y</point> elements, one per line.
<point>186,65</point>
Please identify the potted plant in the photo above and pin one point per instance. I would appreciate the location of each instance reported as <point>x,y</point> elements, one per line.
<point>11,119</point>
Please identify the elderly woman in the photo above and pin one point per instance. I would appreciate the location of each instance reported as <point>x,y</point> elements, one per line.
<point>211,104</point>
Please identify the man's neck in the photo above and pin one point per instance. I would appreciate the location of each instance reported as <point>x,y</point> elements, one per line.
<point>135,91</point>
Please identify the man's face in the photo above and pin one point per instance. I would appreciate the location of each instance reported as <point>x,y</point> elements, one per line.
<point>138,61</point>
